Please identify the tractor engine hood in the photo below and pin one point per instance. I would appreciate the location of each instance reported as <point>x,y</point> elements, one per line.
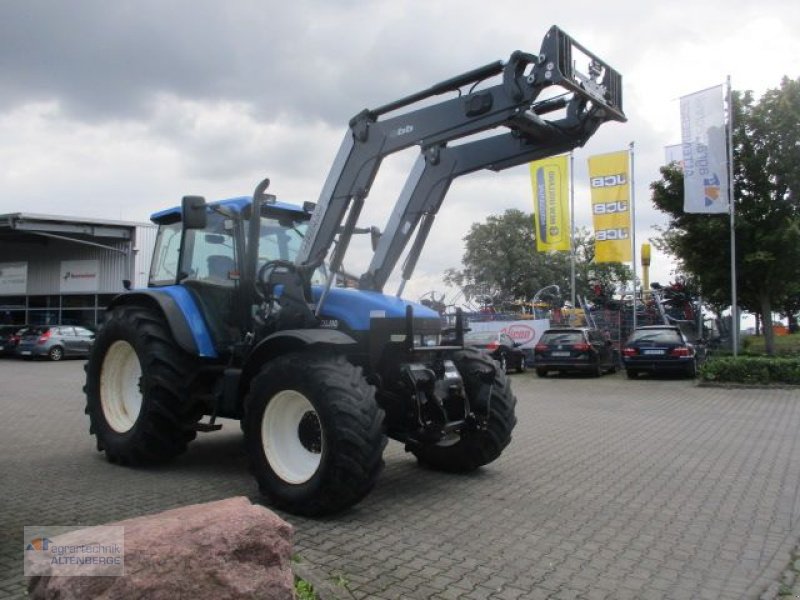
<point>357,307</point>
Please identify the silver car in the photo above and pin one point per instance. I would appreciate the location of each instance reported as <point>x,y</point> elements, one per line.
<point>55,342</point>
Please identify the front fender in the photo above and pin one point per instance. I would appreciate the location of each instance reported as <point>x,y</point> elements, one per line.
<point>289,340</point>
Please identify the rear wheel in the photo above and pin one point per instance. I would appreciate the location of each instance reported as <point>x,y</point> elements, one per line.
<point>314,434</point>
<point>541,372</point>
<point>503,363</point>
<point>691,371</point>
<point>522,367</point>
<point>473,449</point>
<point>137,395</point>
<point>56,353</point>
<point>631,373</point>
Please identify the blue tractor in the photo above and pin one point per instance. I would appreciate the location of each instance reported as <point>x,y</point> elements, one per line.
<point>246,316</point>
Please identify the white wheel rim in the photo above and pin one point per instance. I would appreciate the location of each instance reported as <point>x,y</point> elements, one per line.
<point>292,437</point>
<point>120,394</point>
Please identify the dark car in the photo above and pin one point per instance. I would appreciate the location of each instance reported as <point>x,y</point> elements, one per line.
<point>659,349</point>
<point>574,349</point>
<point>55,342</point>
<point>500,347</point>
<point>9,338</point>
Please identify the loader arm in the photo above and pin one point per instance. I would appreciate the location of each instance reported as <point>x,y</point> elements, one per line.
<point>511,103</point>
<point>437,167</point>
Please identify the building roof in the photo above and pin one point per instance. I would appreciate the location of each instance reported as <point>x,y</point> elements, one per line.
<point>26,216</point>
<point>18,227</point>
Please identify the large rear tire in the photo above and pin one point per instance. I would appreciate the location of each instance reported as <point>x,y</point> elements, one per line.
<point>474,449</point>
<point>137,395</point>
<point>314,434</point>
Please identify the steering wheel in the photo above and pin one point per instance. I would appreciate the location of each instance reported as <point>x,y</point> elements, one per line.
<point>263,285</point>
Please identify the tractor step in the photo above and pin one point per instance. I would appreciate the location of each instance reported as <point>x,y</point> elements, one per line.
<point>207,427</point>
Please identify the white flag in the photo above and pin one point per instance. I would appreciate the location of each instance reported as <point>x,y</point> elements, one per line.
<point>674,154</point>
<point>705,179</point>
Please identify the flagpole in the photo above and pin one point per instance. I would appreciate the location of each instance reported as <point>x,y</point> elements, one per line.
<point>732,211</point>
<point>572,227</point>
<point>633,226</point>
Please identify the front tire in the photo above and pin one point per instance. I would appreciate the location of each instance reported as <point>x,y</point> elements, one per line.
<point>475,448</point>
<point>137,395</point>
<point>314,434</point>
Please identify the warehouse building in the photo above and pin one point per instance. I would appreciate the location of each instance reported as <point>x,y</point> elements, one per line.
<point>65,270</point>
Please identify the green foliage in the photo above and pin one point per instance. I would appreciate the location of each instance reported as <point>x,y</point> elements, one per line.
<point>304,590</point>
<point>767,206</point>
<point>784,345</point>
<point>758,370</point>
<point>500,260</point>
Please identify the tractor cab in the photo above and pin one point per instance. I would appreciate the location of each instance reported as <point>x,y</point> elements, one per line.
<point>202,249</point>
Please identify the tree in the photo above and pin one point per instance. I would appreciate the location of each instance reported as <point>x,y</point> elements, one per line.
<point>766,183</point>
<point>500,260</point>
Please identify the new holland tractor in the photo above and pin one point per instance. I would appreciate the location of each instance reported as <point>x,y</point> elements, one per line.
<point>243,317</point>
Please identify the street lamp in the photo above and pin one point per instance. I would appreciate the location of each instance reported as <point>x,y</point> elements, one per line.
<point>537,294</point>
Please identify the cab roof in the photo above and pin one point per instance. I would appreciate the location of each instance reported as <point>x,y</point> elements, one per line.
<point>236,205</point>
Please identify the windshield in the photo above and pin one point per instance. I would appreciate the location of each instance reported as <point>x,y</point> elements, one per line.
<point>562,337</point>
<point>662,336</point>
<point>281,238</point>
<point>480,337</point>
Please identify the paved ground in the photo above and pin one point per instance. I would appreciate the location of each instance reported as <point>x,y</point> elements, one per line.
<point>610,489</point>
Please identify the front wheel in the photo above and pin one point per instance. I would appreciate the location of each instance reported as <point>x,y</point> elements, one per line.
<point>314,434</point>
<point>475,448</point>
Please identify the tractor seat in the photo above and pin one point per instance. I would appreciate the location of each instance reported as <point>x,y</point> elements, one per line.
<point>220,268</point>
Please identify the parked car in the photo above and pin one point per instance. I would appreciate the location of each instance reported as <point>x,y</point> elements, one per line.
<point>9,338</point>
<point>574,349</point>
<point>500,347</point>
<point>659,349</point>
<point>55,342</point>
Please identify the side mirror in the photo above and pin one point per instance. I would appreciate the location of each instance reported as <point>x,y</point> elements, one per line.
<point>193,212</point>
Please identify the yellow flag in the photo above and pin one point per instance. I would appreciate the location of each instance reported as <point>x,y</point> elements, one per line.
<point>549,178</point>
<point>611,207</point>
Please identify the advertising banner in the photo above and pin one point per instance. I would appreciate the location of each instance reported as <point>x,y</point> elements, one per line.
<point>79,276</point>
<point>703,137</point>
<point>611,208</point>
<point>524,332</point>
<point>550,181</point>
<point>13,278</point>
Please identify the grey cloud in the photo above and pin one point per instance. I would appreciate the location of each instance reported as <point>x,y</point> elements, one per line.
<point>108,60</point>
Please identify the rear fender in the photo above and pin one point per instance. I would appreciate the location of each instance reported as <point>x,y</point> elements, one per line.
<point>184,318</point>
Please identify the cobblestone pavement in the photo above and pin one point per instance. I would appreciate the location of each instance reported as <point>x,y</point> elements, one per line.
<point>610,489</point>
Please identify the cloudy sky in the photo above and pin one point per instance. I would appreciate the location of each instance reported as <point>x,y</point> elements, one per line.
<point>115,109</point>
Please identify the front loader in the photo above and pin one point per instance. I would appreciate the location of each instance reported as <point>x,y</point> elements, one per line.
<point>243,317</point>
